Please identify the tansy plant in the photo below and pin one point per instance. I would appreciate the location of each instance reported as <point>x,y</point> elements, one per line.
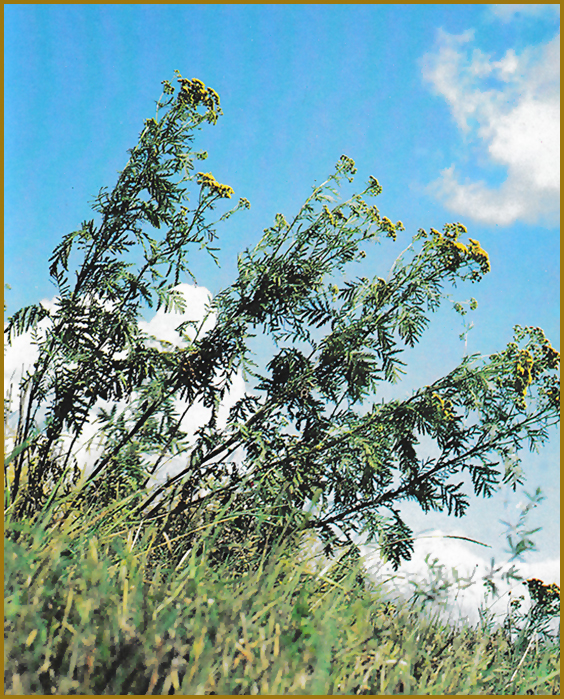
<point>310,447</point>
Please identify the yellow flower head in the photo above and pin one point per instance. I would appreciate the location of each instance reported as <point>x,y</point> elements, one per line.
<point>523,373</point>
<point>478,254</point>
<point>374,186</point>
<point>194,93</point>
<point>455,253</point>
<point>328,213</point>
<point>444,407</point>
<point>552,356</point>
<point>206,179</point>
<point>389,228</point>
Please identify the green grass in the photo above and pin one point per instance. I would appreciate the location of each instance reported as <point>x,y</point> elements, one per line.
<point>96,605</point>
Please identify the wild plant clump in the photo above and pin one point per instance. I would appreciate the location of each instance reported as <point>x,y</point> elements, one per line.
<point>87,614</point>
<point>117,582</point>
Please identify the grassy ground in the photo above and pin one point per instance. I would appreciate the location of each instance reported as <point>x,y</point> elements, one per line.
<point>95,605</point>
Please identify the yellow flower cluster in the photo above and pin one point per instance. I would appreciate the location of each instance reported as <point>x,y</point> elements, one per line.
<point>523,376</point>
<point>477,253</point>
<point>327,212</point>
<point>552,356</point>
<point>389,228</point>
<point>194,92</point>
<point>206,179</point>
<point>444,406</point>
<point>374,186</point>
<point>346,164</point>
<point>335,216</point>
<point>456,252</point>
<point>454,230</point>
<point>544,595</point>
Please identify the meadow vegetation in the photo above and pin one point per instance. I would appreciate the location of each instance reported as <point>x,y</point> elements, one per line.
<point>96,606</point>
<point>208,581</point>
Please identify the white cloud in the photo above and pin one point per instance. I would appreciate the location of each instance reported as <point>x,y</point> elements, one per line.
<point>18,357</point>
<point>163,325</point>
<point>508,12</point>
<point>469,561</point>
<point>22,353</point>
<point>510,111</point>
<point>196,417</point>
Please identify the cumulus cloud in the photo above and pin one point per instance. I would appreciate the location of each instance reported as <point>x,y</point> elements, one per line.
<point>163,328</point>
<point>163,325</point>
<point>470,562</point>
<point>509,110</point>
<point>22,353</point>
<point>18,357</point>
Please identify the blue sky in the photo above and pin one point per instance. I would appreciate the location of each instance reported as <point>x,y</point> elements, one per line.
<point>454,108</point>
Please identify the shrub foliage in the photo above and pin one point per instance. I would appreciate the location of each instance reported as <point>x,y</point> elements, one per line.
<point>310,447</point>
<point>199,584</point>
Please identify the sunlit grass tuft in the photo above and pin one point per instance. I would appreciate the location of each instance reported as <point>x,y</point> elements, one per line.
<point>90,609</point>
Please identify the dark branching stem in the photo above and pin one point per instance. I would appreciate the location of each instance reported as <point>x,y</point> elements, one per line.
<point>150,410</point>
<point>93,255</point>
<point>403,490</point>
<point>225,446</point>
